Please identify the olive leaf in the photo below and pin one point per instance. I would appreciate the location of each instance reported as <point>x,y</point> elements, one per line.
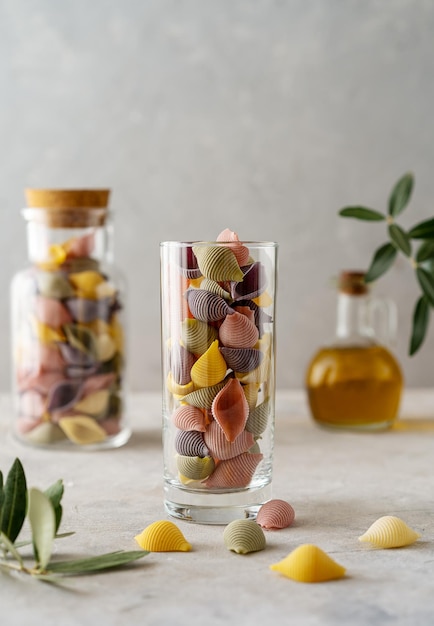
<point>423,230</point>
<point>362,213</point>
<point>382,260</point>
<point>426,281</point>
<point>400,239</point>
<point>13,511</point>
<point>96,563</point>
<point>42,520</point>
<point>420,324</point>
<point>425,251</point>
<point>10,547</point>
<point>55,494</point>
<point>400,194</point>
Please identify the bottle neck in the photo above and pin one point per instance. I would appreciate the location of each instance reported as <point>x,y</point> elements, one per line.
<point>353,324</point>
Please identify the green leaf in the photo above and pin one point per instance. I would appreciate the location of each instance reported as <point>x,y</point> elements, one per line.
<point>13,511</point>
<point>43,523</point>
<point>382,260</point>
<point>423,230</point>
<point>10,547</point>
<point>426,281</point>
<point>425,251</point>
<point>96,563</point>
<point>401,194</point>
<point>55,494</point>
<point>400,239</point>
<point>420,324</point>
<point>362,213</point>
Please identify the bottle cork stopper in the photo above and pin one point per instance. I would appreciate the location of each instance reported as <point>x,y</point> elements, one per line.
<point>69,208</point>
<point>352,282</point>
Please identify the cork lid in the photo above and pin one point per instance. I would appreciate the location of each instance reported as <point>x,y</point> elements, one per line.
<point>67,208</point>
<point>352,282</point>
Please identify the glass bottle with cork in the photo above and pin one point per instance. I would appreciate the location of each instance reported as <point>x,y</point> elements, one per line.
<point>356,382</point>
<point>67,322</point>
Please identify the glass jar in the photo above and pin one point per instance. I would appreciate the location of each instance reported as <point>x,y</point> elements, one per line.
<point>68,345</point>
<point>218,348</point>
<point>356,381</point>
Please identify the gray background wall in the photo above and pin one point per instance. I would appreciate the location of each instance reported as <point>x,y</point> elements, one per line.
<point>265,116</point>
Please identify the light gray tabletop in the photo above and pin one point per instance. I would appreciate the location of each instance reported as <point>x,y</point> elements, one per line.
<point>337,482</point>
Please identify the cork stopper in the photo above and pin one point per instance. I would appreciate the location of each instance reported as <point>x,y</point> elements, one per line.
<point>353,283</point>
<point>68,208</point>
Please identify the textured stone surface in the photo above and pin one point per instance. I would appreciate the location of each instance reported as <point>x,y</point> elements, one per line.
<point>264,116</point>
<point>338,484</point>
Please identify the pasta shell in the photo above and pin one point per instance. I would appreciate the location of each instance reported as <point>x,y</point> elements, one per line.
<point>211,285</point>
<point>163,536</point>
<point>242,359</point>
<point>81,338</point>
<point>218,263</point>
<point>46,334</point>
<point>258,375</point>
<point>275,514</point>
<point>181,362</point>
<point>258,419</point>
<point>237,331</point>
<point>100,381</point>
<point>195,467</point>
<point>220,448</point>
<point>243,536</point>
<point>45,433</point>
<point>240,251</point>
<point>74,356</point>
<point>86,283</point>
<point>190,443</point>
<point>252,284</point>
<point>77,247</point>
<point>251,392</point>
<point>234,473</point>
<point>51,312</point>
<point>204,397</point>
<point>309,564</point>
<point>94,404</point>
<point>389,532</point>
<point>63,395</point>
<point>188,417</point>
<point>210,368</point>
<point>85,310</point>
<point>53,285</point>
<point>230,409</point>
<point>178,390</point>
<point>31,404</point>
<point>187,263</point>
<point>206,306</point>
<point>105,347</point>
<point>197,336</point>
<point>82,429</point>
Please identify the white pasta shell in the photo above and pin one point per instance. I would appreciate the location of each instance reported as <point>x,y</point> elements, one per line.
<point>389,532</point>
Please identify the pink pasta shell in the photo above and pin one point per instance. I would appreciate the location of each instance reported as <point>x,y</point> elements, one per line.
<point>234,473</point>
<point>188,417</point>
<point>237,331</point>
<point>221,448</point>
<point>230,409</point>
<point>275,514</point>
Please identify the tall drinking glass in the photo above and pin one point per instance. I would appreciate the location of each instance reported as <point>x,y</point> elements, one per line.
<point>218,365</point>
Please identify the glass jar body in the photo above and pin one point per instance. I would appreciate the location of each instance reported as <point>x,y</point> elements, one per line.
<point>218,366</point>
<point>68,337</point>
<point>355,382</point>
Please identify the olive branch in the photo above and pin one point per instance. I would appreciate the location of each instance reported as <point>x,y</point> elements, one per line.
<point>403,241</point>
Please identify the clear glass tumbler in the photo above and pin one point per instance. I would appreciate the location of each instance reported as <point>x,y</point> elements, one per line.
<point>218,364</point>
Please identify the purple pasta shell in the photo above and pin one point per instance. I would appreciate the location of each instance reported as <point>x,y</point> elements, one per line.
<point>242,359</point>
<point>206,306</point>
<point>84,310</point>
<point>81,371</point>
<point>181,362</point>
<point>63,395</point>
<point>190,443</point>
<point>74,356</point>
<point>253,284</point>
<point>187,262</point>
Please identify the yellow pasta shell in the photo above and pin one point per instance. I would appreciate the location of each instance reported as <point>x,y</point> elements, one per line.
<point>210,368</point>
<point>163,536</point>
<point>86,283</point>
<point>389,532</point>
<point>82,429</point>
<point>309,564</point>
